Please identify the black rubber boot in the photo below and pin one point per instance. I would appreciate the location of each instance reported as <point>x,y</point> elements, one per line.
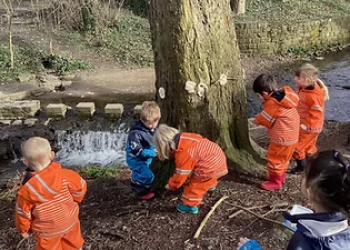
<point>301,164</point>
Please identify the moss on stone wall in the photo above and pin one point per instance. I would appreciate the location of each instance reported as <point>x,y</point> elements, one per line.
<point>266,38</point>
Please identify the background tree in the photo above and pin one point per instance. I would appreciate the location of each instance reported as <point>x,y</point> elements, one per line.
<point>199,75</point>
<point>9,10</point>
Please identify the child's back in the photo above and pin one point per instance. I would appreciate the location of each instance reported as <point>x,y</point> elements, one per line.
<point>49,199</point>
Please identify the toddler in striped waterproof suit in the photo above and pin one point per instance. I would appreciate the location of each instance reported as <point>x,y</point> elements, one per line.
<point>47,201</point>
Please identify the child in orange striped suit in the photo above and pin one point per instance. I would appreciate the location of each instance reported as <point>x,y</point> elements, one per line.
<point>47,201</point>
<point>281,117</point>
<point>312,94</point>
<point>195,156</point>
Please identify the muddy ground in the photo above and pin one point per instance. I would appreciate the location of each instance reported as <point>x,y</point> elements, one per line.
<point>112,217</point>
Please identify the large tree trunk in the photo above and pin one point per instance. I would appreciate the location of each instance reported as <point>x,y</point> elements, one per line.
<point>197,63</point>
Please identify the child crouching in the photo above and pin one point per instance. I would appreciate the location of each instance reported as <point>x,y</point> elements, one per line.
<point>201,160</point>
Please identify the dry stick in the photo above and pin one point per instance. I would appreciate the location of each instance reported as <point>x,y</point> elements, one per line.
<point>20,243</point>
<point>275,205</point>
<point>265,214</point>
<point>250,208</point>
<point>204,221</point>
<point>261,217</point>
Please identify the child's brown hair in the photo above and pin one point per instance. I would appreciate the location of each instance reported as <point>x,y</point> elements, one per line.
<point>150,111</point>
<point>264,83</point>
<point>310,72</point>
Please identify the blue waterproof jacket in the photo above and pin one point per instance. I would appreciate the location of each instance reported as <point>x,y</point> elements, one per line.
<point>315,231</point>
<point>319,231</point>
<point>140,152</point>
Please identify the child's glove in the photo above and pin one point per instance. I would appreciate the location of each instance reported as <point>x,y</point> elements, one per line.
<point>168,188</point>
<point>246,244</point>
<point>25,235</point>
<point>303,127</point>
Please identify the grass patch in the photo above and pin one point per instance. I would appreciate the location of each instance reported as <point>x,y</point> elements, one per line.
<point>62,65</point>
<point>26,59</point>
<point>128,42</point>
<point>285,11</point>
<point>95,172</point>
<point>308,50</point>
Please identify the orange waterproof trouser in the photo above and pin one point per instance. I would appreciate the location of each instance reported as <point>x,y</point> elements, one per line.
<point>278,157</point>
<point>306,145</point>
<point>71,240</point>
<point>195,190</point>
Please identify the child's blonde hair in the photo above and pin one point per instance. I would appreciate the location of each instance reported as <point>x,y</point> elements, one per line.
<point>311,72</point>
<point>37,151</point>
<point>150,111</point>
<point>164,141</point>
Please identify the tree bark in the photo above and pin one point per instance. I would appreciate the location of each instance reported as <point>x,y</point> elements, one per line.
<point>238,6</point>
<point>197,63</point>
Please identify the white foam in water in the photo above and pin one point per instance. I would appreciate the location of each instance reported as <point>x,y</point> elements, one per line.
<point>83,148</point>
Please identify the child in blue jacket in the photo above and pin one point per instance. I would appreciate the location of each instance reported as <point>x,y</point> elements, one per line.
<point>326,184</point>
<point>140,149</point>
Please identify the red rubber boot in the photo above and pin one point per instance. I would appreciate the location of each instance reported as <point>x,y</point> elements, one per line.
<point>267,178</point>
<point>274,183</point>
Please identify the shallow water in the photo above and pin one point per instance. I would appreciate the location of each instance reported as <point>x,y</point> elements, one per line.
<point>334,71</point>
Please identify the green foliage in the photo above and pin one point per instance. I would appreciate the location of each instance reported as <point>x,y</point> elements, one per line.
<point>26,59</point>
<point>95,172</point>
<point>306,50</point>
<point>62,65</point>
<point>128,41</point>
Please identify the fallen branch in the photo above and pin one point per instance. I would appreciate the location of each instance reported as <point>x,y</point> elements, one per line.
<point>264,215</point>
<point>250,208</point>
<point>261,217</point>
<point>204,221</point>
<point>21,242</point>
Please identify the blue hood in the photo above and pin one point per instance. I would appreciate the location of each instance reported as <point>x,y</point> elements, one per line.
<point>320,231</point>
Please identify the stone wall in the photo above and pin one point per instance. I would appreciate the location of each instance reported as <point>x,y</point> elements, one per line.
<point>260,37</point>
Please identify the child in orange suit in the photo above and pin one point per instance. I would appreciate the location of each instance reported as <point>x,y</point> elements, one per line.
<point>281,118</point>
<point>312,94</point>
<point>195,156</point>
<point>47,201</point>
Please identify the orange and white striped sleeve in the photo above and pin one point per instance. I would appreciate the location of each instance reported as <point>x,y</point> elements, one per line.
<point>23,216</point>
<point>77,185</point>
<point>184,166</point>
<point>265,118</point>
